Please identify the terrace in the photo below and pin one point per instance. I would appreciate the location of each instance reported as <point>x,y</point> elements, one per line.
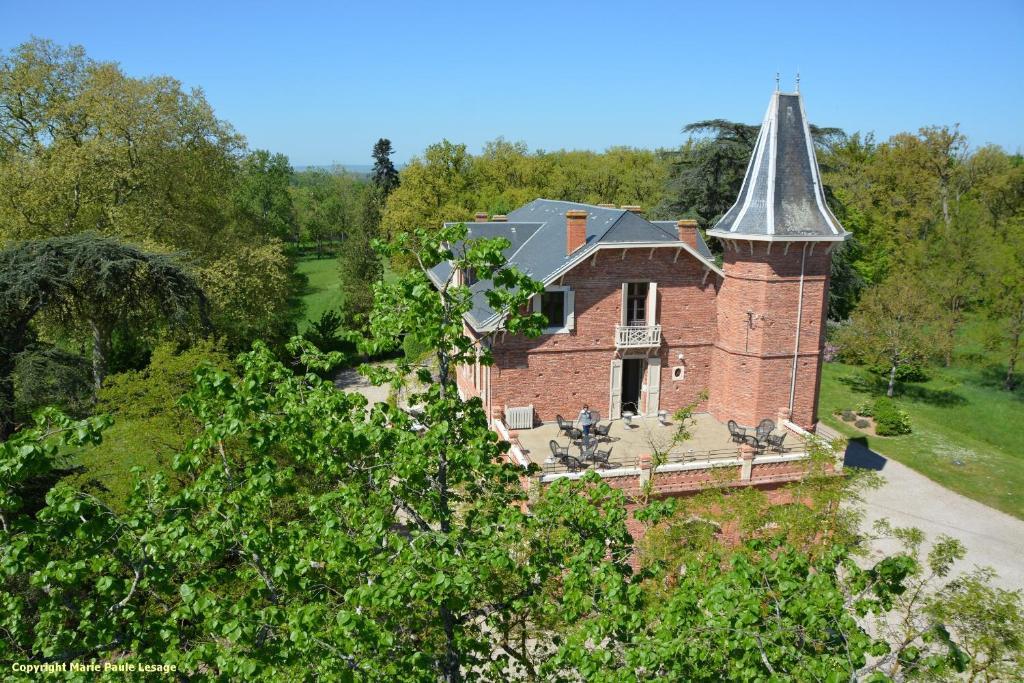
<point>709,448</point>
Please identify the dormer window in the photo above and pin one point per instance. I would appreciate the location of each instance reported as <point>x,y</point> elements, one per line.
<point>556,304</point>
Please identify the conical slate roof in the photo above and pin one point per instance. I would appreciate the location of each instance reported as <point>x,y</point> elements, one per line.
<point>782,197</point>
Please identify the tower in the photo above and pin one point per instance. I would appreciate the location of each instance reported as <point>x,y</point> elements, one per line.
<point>771,308</point>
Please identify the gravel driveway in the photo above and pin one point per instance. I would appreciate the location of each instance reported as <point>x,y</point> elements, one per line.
<point>992,538</point>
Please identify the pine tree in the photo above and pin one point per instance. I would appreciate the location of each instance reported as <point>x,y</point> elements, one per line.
<point>385,175</point>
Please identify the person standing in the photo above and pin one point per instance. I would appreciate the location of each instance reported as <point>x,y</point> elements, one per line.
<point>586,420</point>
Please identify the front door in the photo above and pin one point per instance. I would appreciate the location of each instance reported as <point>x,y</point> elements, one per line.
<point>632,381</point>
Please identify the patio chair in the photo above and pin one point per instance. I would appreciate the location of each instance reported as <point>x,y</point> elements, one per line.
<point>764,429</point>
<point>601,432</point>
<point>573,464</point>
<point>736,432</point>
<point>558,452</point>
<point>564,426</point>
<point>588,449</point>
<point>601,458</point>
<point>575,434</point>
<point>775,441</point>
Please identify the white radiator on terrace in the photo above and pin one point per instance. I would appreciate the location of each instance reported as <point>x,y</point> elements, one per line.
<point>519,418</point>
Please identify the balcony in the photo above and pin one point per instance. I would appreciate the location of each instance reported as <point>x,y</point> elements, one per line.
<point>637,336</point>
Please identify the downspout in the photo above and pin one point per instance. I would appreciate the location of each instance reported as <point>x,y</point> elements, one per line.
<point>796,343</point>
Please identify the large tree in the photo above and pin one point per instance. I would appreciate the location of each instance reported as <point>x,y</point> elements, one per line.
<point>83,147</point>
<point>262,197</point>
<point>87,285</point>
<point>384,175</point>
<point>895,326</point>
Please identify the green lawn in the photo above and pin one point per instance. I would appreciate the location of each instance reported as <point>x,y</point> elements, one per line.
<point>322,293</point>
<point>968,432</point>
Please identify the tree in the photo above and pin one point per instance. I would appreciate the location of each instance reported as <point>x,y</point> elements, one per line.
<point>90,283</point>
<point>1003,271</point>
<point>384,175</point>
<point>894,325</point>
<point>85,147</point>
<point>262,197</point>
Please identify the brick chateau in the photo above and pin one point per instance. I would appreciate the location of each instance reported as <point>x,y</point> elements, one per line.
<point>641,317</point>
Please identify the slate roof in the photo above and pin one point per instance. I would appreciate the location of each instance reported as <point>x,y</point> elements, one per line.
<point>537,233</point>
<point>782,197</point>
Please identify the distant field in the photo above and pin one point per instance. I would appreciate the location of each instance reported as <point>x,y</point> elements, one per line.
<point>968,432</point>
<point>322,294</point>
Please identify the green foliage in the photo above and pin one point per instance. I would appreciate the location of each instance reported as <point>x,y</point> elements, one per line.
<point>384,175</point>
<point>912,372</point>
<point>893,327</point>
<point>261,195</point>
<point>252,294</point>
<point>86,148</point>
<point>448,183</point>
<point>413,350</point>
<point>328,334</point>
<point>329,205</point>
<point>150,424</point>
<point>890,419</point>
<point>865,408</point>
<point>88,285</point>
<point>46,375</point>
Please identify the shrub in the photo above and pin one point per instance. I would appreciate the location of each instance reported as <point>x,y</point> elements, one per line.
<point>329,333</point>
<point>890,420</point>
<point>848,416</point>
<point>861,423</point>
<point>413,351</point>
<point>865,408</point>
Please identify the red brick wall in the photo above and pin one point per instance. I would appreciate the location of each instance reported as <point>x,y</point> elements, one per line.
<point>558,373</point>
<point>753,366</point>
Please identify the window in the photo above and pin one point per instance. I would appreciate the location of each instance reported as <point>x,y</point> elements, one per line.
<point>636,303</point>
<point>552,305</point>
<point>556,304</point>
<point>469,277</point>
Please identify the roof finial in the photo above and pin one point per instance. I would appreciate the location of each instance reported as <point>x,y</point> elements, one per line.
<point>798,81</point>
<point>776,81</point>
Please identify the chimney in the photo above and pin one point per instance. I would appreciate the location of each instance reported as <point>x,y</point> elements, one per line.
<point>607,206</point>
<point>575,230</point>
<point>499,218</point>
<point>631,208</point>
<point>687,229</point>
<point>480,217</point>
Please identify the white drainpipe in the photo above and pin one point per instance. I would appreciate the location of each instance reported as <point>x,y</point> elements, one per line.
<point>796,343</point>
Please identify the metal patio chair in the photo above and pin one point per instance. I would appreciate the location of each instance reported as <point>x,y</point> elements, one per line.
<point>775,442</point>
<point>764,429</point>
<point>736,432</point>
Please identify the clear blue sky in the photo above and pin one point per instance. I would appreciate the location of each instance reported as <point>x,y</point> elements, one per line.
<point>322,81</point>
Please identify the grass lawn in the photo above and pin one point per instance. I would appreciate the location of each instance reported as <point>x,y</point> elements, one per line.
<point>322,293</point>
<point>968,432</point>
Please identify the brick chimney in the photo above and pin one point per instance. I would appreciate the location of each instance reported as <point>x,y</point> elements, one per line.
<point>499,218</point>
<point>687,229</point>
<point>480,217</point>
<point>575,230</point>
<point>632,208</point>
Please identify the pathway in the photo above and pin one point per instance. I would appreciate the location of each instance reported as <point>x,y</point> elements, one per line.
<point>992,538</point>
